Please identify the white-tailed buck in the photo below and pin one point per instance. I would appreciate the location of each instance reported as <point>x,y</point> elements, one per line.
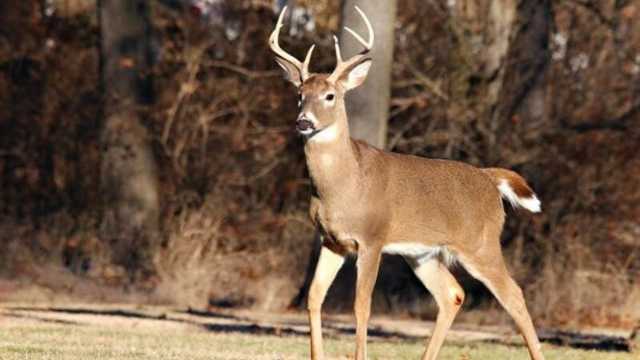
<point>369,202</point>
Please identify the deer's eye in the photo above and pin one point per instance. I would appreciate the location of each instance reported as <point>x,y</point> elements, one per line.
<point>329,97</point>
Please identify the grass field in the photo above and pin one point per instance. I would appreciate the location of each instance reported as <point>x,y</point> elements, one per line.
<point>28,339</point>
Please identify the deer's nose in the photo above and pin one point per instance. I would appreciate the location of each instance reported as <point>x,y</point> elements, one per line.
<point>304,123</point>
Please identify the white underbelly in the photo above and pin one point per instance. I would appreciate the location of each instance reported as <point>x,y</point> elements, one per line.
<point>419,252</point>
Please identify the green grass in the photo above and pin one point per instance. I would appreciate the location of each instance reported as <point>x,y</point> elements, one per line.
<point>55,341</point>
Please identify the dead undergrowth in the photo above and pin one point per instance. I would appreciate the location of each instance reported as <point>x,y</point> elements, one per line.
<point>233,184</point>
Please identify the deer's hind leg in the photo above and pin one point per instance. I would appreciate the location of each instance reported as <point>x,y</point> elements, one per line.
<point>487,265</point>
<point>448,294</point>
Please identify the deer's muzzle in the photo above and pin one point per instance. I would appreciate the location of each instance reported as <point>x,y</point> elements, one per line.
<point>304,126</point>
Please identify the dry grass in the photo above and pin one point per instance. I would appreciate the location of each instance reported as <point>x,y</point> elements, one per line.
<point>27,339</point>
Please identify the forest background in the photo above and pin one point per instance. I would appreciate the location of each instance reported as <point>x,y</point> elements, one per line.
<point>166,169</point>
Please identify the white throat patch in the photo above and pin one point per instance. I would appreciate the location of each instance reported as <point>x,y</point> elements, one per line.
<point>328,134</point>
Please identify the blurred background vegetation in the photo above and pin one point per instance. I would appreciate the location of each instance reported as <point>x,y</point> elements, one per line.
<point>164,167</point>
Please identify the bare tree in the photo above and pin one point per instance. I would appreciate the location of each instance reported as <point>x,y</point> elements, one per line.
<point>128,171</point>
<point>368,107</point>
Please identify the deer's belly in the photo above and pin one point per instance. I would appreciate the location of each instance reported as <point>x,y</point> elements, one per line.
<point>420,253</point>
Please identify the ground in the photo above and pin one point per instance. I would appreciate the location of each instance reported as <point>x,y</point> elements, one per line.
<point>116,332</point>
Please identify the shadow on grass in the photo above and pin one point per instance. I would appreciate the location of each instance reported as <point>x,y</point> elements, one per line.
<point>586,342</point>
<point>248,326</point>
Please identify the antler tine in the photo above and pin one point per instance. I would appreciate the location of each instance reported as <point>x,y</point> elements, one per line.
<point>337,45</point>
<point>305,66</point>
<point>341,64</point>
<point>275,46</point>
<point>367,44</point>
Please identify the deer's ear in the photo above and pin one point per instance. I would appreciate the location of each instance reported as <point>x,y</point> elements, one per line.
<point>291,72</point>
<point>355,74</point>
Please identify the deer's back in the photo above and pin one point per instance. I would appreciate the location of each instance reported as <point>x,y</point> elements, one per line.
<point>430,200</point>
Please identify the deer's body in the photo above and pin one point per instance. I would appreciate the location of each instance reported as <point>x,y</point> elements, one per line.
<point>368,201</point>
<point>443,204</point>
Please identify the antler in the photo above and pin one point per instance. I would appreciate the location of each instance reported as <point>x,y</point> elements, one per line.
<point>303,68</point>
<point>342,65</point>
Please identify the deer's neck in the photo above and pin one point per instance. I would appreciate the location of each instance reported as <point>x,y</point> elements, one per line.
<point>332,162</point>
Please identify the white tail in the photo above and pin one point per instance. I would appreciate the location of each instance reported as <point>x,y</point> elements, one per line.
<point>530,203</point>
<point>368,201</point>
<point>514,189</point>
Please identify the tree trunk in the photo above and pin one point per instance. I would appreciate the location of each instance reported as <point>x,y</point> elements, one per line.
<point>482,32</point>
<point>368,106</point>
<point>128,171</point>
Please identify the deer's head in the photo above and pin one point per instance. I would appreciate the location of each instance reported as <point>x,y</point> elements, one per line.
<point>321,100</point>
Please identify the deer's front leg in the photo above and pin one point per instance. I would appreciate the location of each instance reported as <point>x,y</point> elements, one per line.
<point>329,263</point>
<point>368,263</point>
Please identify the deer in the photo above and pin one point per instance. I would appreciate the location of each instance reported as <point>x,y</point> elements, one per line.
<point>366,201</point>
